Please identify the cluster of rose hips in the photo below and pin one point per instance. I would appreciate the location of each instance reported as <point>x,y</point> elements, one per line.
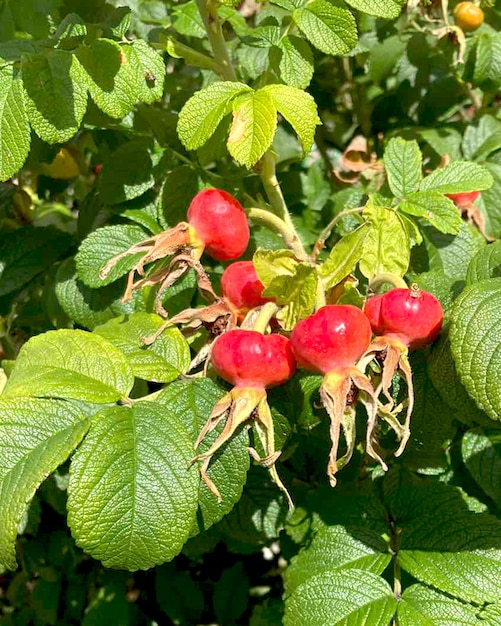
<point>337,341</point>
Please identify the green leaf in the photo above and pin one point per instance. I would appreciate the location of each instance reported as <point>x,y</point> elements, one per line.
<point>379,8</point>
<point>450,254</point>
<point>464,562</point>
<point>337,548</point>
<point>481,139</point>
<point>56,94</point>
<point>386,246</point>
<point>110,78</point>
<point>296,64</point>
<point>439,211</point>
<point>330,28</point>
<point>272,263</point>
<point>148,68</point>
<point>403,163</point>
<point>341,598</point>
<point>180,186</point>
<point>457,177</point>
<point>487,71</point>
<point>162,362</point>
<point>444,140</point>
<point>482,456</point>
<point>14,126</point>
<point>231,594</point>
<point>102,245</point>
<point>343,257</point>
<point>85,306</point>
<point>192,401</point>
<point>36,436</point>
<point>132,498</point>
<point>429,435</point>
<point>491,199</point>
<point>298,108</point>
<point>476,343</point>
<point>70,364</point>
<point>485,264</point>
<point>443,374</point>
<point>422,606</point>
<point>128,173</point>
<point>27,252</point>
<point>201,114</point>
<point>253,127</point>
<point>188,20</point>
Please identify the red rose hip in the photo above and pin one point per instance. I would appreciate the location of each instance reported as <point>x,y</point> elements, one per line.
<point>330,342</point>
<point>465,199</point>
<point>241,286</point>
<point>246,358</point>
<point>220,222</point>
<point>332,338</point>
<point>413,316</point>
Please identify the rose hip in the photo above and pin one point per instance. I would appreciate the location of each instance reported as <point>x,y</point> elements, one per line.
<point>241,286</point>
<point>246,358</point>
<point>332,338</point>
<point>413,316</point>
<point>220,222</point>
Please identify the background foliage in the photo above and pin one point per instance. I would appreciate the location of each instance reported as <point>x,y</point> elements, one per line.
<point>112,116</point>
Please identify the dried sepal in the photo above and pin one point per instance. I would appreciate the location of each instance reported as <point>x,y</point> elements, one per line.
<point>393,356</point>
<point>334,393</point>
<point>238,406</point>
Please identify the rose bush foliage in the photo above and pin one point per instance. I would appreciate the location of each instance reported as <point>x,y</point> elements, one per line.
<point>164,437</point>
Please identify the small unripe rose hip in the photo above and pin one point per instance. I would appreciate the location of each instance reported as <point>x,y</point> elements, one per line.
<point>242,287</point>
<point>413,316</point>
<point>468,16</point>
<point>220,222</point>
<point>333,338</point>
<point>246,358</point>
<point>463,199</point>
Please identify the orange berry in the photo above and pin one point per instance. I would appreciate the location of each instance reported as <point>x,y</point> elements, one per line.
<point>468,16</point>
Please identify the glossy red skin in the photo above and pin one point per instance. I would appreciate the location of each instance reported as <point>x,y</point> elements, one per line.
<point>333,338</point>
<point>220,222</point>
<point>463,199</point>
<point>246,358</point>
<point>241,286</point>
<point>414,317</point>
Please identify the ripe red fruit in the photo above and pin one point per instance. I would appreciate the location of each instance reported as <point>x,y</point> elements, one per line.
<point>220,222</point>
<point>332,338</point>
<point>464,199</point>
<point>246,358</point>
<point>252,362</point>
<point>413,316</point>
<point>468,16</point>
<point>329,342</point>
<point>241,286</point>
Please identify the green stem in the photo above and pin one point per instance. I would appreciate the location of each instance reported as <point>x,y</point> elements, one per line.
<point>324,235</point>
<point>392,279</point>
<point>445,11</point>
<point>274,223</point>
<point>267,311</point>
<point>213,26</point>
<point>275,196</point>
<point>177,49</point>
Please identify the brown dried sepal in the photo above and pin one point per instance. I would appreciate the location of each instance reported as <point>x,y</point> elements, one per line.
<point>238,406</point>
<point>181,242</point>
<point>218,317</point>
<point>336,392</point>
<point>395,360</point>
